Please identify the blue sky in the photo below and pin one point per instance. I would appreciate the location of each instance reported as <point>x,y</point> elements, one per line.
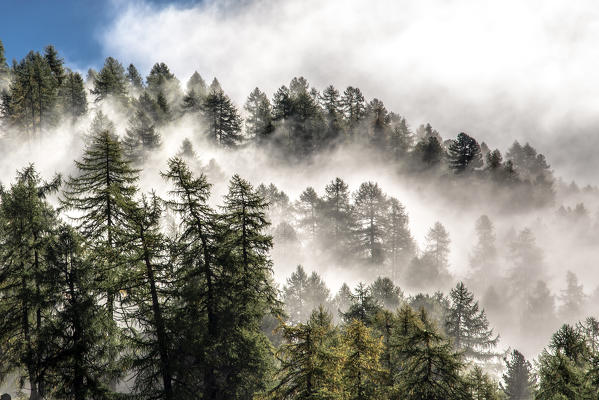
<point>74,27</point>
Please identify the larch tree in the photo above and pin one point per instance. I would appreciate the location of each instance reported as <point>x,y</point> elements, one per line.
<point>464,154</point>
<point>223,123</point>
<point>311,360</point>
<point>309,209</point>
<point>103,175</point>
<point>83,334</point>
<point>27,288</point>
<point>111,82</point>
<point>370,206</point>
<point>467,325</point>
<point>258,123</point>
<point>518,380</point>
<point>72,95</point>
<point>147,305</point>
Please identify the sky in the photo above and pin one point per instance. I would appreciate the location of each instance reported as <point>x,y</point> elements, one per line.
<point>499,71</point>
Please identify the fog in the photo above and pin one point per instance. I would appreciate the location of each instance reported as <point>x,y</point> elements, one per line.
<point>500,72</point>
<point>496,70</point>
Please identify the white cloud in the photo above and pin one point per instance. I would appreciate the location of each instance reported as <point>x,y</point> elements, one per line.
<point>498,70</point>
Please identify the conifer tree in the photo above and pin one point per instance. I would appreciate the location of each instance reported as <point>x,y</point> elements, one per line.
<point>572,298</point>
<point>354,107</point>
<point>380,124</point>
<point>428,152</point>
<point>464,154</point>
<point>303,294</point>
<point>385,293</point>
<point>83,334</point>
<point>331,103</point>
<point>362,372</point>
<point>401,139</point>
<point>160,79</point>
<point>56,64</point>
<point>398,243</point>
<point>72,93</point>
<point>370,206</point>
<point>147,301</point>
<point>111,81</point>
<point>33,94</point>
<point>27,287</point>
<point>467,326</point>
<point>141,138</point>
<point>258,123</point>
<point>309,210</point>
<point>430,370</point>
<point>311,361</point>
<point>518,380</point>
<point>103,176</point>
<point>134,78</point>
<point>4,69</point>
<point>481,386</point>
<point>198,308</point>
<point>338,214</point>
<point>197,84</point>
<point>222,120</point>
<point>363,307</point>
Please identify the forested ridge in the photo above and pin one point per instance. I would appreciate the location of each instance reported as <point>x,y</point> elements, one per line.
<point>113,288</point>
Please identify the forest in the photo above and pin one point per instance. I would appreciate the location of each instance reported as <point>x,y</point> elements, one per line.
<point>159,241</point>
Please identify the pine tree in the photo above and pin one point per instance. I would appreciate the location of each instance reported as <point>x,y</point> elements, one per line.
<point>339,216</point>
<point>401,139</point>
<point>428,152</point>
<point>370,206</point>
<point>258,123</point>
<point>430,370</point>
<point>222,119</point>
<point>27,287</point>
<point>56,64</point>
<point>432,267</point>
<point>197,85</point>
<point>311,361</point>
<point>398,243</point>
<point>385,293</point>
<point>518,380</point>
<point>467,326</point>
<point>72,94</point>
<point>362,372</point>
<point>4,69</point>
<point>572,298</point>
<point>111,81</point>
<point>331,103</point>
<point>198,309</point>
<point>83,334</point>
<point>103,176</point>
<point>33,94</point>
<point>309,210</point>
<point>134,78</point>
<point>483,261</point>
<point>354,107</point>
<point>303,294</point>
<point>305,119</point>
<point>141,138</point>
<point>464,154</point>
<point>363,307</point>
<point>160,79</point>
<point>379,121</point>
<point>147,302</point>
<point>481,386</point>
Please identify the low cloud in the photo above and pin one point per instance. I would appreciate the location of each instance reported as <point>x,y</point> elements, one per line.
<point>500,71</point>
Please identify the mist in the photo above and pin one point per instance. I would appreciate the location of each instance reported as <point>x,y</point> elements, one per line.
<point>516,77</point>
